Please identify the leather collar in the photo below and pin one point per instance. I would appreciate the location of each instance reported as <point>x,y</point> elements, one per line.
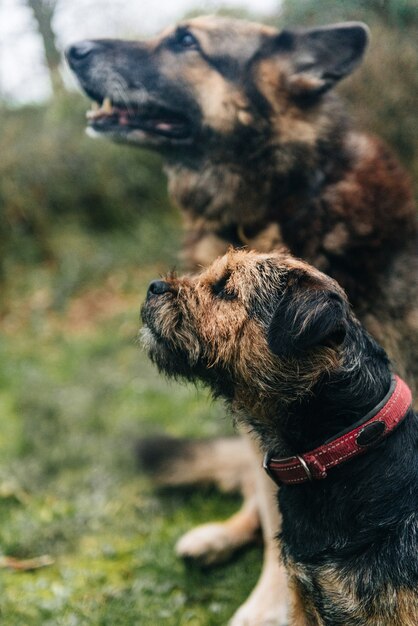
<point>374,427</point>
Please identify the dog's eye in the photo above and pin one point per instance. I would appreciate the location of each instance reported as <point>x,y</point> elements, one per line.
<point>185,39</point>
<point>219,289</point>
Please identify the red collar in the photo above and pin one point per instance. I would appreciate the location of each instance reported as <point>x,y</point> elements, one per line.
<point>314,465</point>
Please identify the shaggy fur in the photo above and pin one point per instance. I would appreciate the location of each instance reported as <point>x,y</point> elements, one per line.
<point>278,341</point>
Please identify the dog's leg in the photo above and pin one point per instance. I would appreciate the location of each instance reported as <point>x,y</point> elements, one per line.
<point>268,603</point>
<point>215,542</point>
<point>226,462</point>
<point>301,612</point>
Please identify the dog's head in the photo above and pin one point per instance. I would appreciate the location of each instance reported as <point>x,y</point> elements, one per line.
<point>211,76</point>
<point>256,328</point>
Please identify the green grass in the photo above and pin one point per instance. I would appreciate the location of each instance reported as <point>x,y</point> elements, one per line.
<point>75,393</point>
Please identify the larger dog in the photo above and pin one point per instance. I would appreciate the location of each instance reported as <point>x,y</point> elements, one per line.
<point>277,340</point>
<point>259,152</point>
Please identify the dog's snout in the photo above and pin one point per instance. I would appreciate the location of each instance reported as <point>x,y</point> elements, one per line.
<point>159,287</point>
<point>78,52</point>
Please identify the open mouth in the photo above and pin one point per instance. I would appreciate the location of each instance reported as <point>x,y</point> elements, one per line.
<point>152,119</point>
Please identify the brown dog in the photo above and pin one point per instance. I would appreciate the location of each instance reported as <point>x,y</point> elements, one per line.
<point>277,340</point>
<point>259,151</point>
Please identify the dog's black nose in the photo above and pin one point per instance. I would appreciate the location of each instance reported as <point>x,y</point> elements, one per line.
<point>78,52</point>
<point>158,288</point>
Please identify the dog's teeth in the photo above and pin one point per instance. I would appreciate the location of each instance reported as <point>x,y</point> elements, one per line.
<point>98,111</point>
<point>94,110</point>
<point>245,117</point>
<point>107,105</point>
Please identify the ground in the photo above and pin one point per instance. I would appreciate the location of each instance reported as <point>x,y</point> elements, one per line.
<point>76,392</point>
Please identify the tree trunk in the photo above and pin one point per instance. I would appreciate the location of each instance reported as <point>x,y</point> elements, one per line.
<point>43,12</point>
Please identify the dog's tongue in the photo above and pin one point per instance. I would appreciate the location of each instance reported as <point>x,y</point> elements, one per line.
<point>164,126</point>
<point>123,118</point>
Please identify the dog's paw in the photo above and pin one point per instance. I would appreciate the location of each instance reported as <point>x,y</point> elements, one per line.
<point>210,543</point>
<point>268,603</point>
<point>271,612</point>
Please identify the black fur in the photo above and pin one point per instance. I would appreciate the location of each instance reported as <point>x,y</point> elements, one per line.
<point>363,519</point>
<point>297,325</point>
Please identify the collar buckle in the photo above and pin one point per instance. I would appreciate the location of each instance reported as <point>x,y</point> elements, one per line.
<point>305,467</point>
<point>268,458</point>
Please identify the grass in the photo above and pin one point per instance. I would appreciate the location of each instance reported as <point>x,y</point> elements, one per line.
<point>75,393</point>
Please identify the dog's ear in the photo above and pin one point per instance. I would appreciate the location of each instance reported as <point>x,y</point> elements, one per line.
<point>307,317</point>
<point>320,57</point>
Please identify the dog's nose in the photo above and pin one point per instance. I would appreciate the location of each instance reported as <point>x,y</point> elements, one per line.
<point>159,287</point>
<point>78,52</point>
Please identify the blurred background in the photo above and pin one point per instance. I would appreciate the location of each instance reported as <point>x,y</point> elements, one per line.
<point>84,226</point>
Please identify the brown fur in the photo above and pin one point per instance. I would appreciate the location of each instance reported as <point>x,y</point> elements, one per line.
<point>224,334</point>
<point>395,608</point>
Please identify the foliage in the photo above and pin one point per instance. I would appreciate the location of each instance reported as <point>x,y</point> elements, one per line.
<point>50,171</point>
<point>75,394</point>
<point>394,13</point>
